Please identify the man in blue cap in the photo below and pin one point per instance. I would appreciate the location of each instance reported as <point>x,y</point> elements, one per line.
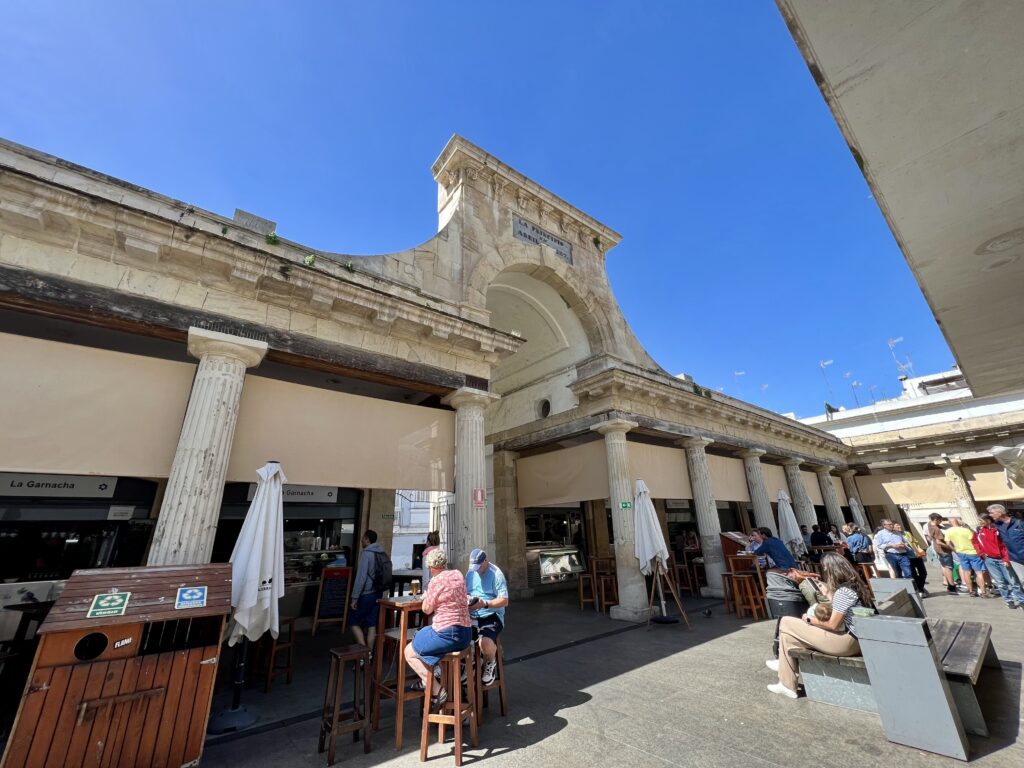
<point>488,596</point>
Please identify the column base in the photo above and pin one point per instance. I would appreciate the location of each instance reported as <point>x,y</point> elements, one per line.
<point>520,594</point>
<point>712,592</point>
<point>625,613</point>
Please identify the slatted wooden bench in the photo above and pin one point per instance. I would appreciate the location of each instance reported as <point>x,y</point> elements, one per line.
<point>962,648</point>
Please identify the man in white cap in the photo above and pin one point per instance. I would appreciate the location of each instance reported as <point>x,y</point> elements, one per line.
<point>488,596</point>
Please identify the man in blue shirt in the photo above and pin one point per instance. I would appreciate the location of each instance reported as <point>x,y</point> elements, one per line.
<point>762,542</point>
<point>1012,531</point>
<point>894,547</point>
<point>488,596</point>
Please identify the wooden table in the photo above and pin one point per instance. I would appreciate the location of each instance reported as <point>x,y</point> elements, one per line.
<point>394,688</point>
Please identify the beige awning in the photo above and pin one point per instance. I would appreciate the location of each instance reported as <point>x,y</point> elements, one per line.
<point>931,487</point>
<point>774,480</point>
<point>728,480</point>
<point>837,483</point>
<point>989,483</point>
<point>70,409</point>
<point>663,469</point>
<point>322,437</point>
<point>575,474</point>
<point>810,481</point>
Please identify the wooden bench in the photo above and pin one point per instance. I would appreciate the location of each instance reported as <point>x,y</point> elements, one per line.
<point>961,649</point>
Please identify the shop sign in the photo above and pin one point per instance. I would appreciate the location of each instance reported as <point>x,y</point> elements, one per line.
<point>190,597</point>
<point>388,516</point>
<point>120,512</point>
<point>625,505</point>
<point>57,486</point>
<point>108,604</point>
<point>320,494</point>
<point>479,498</point>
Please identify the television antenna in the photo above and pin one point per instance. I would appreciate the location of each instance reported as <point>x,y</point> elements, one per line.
<point>823,364</point>
<point>905,367</point>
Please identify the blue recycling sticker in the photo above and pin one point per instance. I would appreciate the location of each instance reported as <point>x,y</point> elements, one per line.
<point>190,597</point>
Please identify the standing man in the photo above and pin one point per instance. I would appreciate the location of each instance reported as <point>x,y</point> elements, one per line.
<point>942,550</point>
<point>971,564</point>
<point>894,547</point>
<point>1012,530</point>
<point>367,590</point>
<point>916,555</point>
<point>488,596</point>
<point>806,537</point>
<point>991,547</point>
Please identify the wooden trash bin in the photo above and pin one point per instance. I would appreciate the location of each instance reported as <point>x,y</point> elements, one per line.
<point>125,668</point>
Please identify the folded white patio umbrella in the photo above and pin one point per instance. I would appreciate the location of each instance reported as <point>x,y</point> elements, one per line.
<point>1012,460</point>
<point>859,517</point>
<point>648,537</point>
<point>257,561</point>
<point>789,530</point>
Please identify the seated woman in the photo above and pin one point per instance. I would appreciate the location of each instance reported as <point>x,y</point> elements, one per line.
<point>450,630</point>
<point>837,636</point>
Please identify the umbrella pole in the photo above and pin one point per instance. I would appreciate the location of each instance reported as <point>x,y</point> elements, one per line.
<point>236,717</point>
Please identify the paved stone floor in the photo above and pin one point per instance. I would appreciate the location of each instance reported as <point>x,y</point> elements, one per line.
<point>585,691</point>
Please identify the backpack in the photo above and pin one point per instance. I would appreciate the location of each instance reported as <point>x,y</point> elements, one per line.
<point>382,573</point>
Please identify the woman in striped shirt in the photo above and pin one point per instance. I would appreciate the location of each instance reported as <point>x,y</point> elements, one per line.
<point>836,636</point>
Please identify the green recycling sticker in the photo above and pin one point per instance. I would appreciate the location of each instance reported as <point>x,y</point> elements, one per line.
<point>108,604</point>
<point>625,505</point>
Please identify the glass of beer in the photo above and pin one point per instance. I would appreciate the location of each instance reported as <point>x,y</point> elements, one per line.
<point>414,586</point>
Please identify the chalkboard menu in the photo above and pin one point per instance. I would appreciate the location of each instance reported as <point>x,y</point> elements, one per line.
<point>332,601</point>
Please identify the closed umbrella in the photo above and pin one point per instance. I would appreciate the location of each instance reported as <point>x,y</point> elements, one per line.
<point>789,530</point>
<point>1012,460</point>
<point>650,544</point>
<point>257,583</point>
<point>858,515</point>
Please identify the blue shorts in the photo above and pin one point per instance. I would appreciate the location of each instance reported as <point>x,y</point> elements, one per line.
<point>366,612</point>
<point>431,645</point>
<point>946,561</point>
<point>972,562</point>
<point>489,626</point>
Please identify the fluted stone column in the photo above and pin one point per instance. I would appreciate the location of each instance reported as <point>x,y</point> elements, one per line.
<point>962,495</point>
<point>802,506</point>
<point>828,495</point>
<point>759,498</point>
<point>708,523</point>
<point>469,528</point>
<point>632,587</point>
<point>191,506</point>
<point>510,522</point>
<point>850,485</point>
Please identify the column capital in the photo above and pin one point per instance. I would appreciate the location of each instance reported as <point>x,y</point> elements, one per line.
<point>203,343</point>
<point>613,426</point>
<point>751,453</point>
<point>696,442</point>
<point>848,473</point>
<point>467,396</point>
<point>822,469</point>
<point>792,463</point>
<point>949,461</point>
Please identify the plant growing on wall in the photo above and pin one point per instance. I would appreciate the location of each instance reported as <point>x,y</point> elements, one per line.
<point>272,239</point>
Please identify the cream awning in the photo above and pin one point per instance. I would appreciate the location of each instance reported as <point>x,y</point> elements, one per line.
<point>774,480</point>
<point>989,483</point>
<point>810,481</point>
<point>837,483</point>
<point>931,487</point>
<point>728,479</point>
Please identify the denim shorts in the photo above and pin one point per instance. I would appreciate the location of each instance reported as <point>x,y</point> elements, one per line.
<point>365,614</point>
<point>431,645</point>
<point>946,561</point>
<point>972,562</point>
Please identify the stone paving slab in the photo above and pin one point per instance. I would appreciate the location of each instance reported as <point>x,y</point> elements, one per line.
<point>667,697</point>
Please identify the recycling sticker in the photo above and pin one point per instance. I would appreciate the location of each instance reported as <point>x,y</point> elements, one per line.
<point>190,597</point>
<point>108,604</point>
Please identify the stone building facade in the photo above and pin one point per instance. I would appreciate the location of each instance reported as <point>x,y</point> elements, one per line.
<point>150,339</point>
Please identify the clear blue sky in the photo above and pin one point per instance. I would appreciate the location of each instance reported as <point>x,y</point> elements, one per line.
<point>751,241</point>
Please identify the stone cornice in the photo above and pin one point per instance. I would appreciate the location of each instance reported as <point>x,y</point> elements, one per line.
<point>205,343</point>
<point>461,161</point>
<point>676,400</point>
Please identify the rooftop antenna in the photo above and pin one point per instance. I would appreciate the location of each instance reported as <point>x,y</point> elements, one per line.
<point>905,368</point>
<point>823,364</point>
<point>736,375</point>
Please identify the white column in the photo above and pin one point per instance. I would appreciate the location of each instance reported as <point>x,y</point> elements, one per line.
<point>191,506</point>
<point>469,528</point>
<point>708,524</point>
<point>632,587</point>
<point>828,494</point>
<point>759,498</point>
<point>965,506</point>
<point>802,506</point>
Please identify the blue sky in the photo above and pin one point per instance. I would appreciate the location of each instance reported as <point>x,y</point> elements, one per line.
<point>750,242</point>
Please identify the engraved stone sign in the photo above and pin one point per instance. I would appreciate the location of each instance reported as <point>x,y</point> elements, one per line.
<point>529,232</point>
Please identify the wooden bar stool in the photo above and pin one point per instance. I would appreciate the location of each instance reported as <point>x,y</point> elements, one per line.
<point>456,709</point>
<point>336,719</point>
<point>392,651</point>
<point>728,591</point>
<point>747,596</point>
<point>499,682</point>
<point>277,645</point>
<point>868,571</point>
<point>584,582</point>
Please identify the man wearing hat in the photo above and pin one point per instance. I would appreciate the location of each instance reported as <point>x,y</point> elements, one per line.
<point>488,596</point>
<point>942,550</point>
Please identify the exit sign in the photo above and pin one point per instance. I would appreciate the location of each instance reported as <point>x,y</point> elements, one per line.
<point>625,505</point>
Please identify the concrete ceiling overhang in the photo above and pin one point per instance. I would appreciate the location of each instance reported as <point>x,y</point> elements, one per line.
<point>929,96</point>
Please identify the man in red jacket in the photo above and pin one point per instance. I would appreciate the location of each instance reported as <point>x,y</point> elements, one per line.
<point>989,544</point>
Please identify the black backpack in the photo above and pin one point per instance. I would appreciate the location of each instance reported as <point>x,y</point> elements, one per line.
<point>382,576</point>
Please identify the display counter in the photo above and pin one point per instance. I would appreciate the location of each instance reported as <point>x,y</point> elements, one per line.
<point>552,564</point>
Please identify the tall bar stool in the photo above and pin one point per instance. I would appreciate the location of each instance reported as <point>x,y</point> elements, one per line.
<point>457,709</point>
<point>868,571</point>
<point>729,591</point>
<point>747,596</point>
<point>336,719</point>
<point>277,645</point>
<point>585,582</point>
<point>392,651</point>
<point>607,582</point>
<point>681,571</point>
<point>499,682</point>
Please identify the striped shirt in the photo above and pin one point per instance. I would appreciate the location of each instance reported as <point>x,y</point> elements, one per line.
<point>844,601</point>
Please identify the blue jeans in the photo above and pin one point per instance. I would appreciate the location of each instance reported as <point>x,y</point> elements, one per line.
<point>1005,580</point>
<point>899,562</point>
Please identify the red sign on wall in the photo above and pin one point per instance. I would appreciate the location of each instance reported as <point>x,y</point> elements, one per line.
<point>479,498</point>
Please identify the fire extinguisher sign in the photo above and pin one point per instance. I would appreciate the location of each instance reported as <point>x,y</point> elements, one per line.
<point>479,498</point>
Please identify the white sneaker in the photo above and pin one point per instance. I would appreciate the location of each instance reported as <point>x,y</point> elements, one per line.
<point>780,688</point>
<point>772,664</point>
<point>489,673</point>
